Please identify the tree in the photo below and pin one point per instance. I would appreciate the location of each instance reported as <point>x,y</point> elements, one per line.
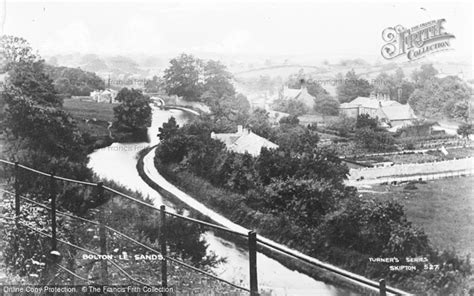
<point>74,81</point>
<point>344,125</point>
<point>395,86</point>
<point>426,73</point>
<point>32,80</point>
<point>296,138</point>
<point>168,130</point>
<point>241,174</point>
<point>218,79</point>
<point>290,120</point>
<point>290,106</point>
<point>365,121</point>
<point>303,200</point>
<point>258,122</point>
<point>184,77</point>
<point>46,128</point>
<point>15,50</point>
<point>326,105</point>
<point>375,228</point>
<point>156,84</point>
<point>446,96</point>
<point>273,164</point>
<point>375,140</point>
<point>133,112</point>
<point>32,116</point>
<point>465,130</point>
<point>39,133</point>
<point>352,87</point>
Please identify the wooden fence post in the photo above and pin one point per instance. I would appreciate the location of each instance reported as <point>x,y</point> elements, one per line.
<point>102,236</point>
<point>252,241</point>
<point>17,190</point>
<point>382,288</point>
<point>164,271</point>
<point>52,195</point>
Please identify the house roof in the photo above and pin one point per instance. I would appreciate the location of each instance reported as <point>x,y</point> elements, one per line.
<point>244,141</point>
<point>291,93</point>
<point>398,112</point>
<point>369,103</point>
<point>300,94</point>
<point>251,143</point>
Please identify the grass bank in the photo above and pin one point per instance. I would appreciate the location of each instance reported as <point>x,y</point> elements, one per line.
<point>443,208</point>
<point>94,122</point>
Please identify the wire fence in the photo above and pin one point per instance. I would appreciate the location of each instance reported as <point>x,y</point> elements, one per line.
<point>113,252</point>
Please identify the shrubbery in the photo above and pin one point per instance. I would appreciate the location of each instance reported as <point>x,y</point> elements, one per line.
<point>296,195</point>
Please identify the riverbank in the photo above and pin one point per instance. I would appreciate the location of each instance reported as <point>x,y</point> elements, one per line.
<point>249,220</point>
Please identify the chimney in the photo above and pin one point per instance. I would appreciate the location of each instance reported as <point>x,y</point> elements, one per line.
<point>240,129</point>
<point>302,83</point>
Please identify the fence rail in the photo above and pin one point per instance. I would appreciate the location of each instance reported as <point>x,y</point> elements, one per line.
<point>52,208</point>
<point>252,238</point>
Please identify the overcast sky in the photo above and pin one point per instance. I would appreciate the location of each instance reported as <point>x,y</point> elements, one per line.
<point>239,27</point>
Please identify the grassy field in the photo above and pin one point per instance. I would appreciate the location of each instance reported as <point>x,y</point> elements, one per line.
<point>89,110</point>
<point>443,208</point>
<point>97,129</point>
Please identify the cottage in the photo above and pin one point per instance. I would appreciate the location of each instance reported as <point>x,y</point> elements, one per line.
<point>300,94</point>
<point>104,96</point>
<point>397,116</point>
<point>364,105</point>
<point>387,111</point>
<point>244,141</point>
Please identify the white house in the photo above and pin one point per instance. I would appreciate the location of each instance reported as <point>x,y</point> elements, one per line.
<point>104,96</point>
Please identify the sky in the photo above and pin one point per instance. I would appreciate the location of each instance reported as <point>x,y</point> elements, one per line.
<point>272,28</point>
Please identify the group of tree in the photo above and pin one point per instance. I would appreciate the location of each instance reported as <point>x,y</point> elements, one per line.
<point>297,159</point>
<point>440,97</point>
<point>365,131</point>
<point>395,86</point>
<point>210,82</point>
<point>351,86</point>
<point>291,106</point>
<point>427,94</point>
<point>33,119</point>
<point>192,79</point>
<point>300,187</point>
<point>371,136</point>
<point>154,85</point>
<point>41,135</point>
<point>74,81</point>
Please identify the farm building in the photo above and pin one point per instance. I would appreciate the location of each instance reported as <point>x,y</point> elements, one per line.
<point>387,111</point>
